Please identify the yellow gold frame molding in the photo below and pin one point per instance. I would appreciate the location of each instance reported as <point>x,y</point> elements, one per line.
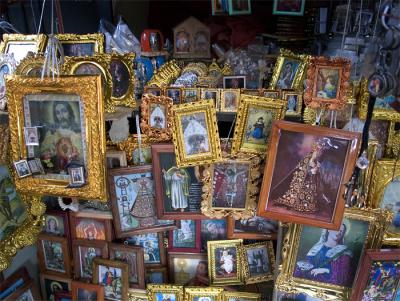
<point>96,38</point>
<point>8,39</point>
<point>29,64</point>
<point>192,292</point>
<point>153,289</point>
<point>227,296</point>
<point>271,257</point>
<point>88,89</point>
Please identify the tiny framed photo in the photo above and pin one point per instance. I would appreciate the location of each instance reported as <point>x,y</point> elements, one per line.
<point>57,223</point>
<point>239,7</point>
<point>378,276</point>
<point>294,102</point>
<point>203,293</point>
<point>156,275</point>
<point>230,99</point>
<point>190,95</point>
<point>298,189</point>
<point>289,8</point>
<point>134,257</point>
<point>153,248</point>
<point>26,292</point>
<point>84,252</point>
<point>175,94</point>
<point>189,269</point>
<point>270,93</point>
<point>76,176</point>
<point>51,284</point>
<point>234,82</point>
<point>31,136</point>
<point>22,168</point>
<point>186,238</point>
<point>225,262</point>
<point>90,226</point>
<point>54,255</point>
<point>87,291</point>
<point>153,90</point>
<point>258,262</point>
<point>164,292</point>
<point>82,44</point>
<point>217,8</point>
<point>243,296</point>
<point>212,229</point>
<point>35,165</point>
<point>255,227</point>
<point>116,159</point>
<point>214,94</point>
<point>195,134</point>
<point>108,273</point>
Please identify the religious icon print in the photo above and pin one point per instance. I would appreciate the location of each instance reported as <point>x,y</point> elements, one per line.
<point>78,49</point>
<point>110,278</point>
<point>391,202</point>
<point>258,128</point>
<point>287,74</point>
<point>157,115</point>
<point>185,236</point>
<point>88,228</point>
<point>54,224</point>
<point>258,261</point>
<point>327,83</point>
<point>150,243</point>
<point>53,256</point>
<point>226,262</point>
<point>86,256</point>
<point>120,78</point>
<point>195,134</point>
<point>131,259</point>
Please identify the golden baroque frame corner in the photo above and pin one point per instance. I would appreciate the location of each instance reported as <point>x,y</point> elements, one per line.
<point>276,106</point>
<point>30,65</point>
<point>131,144</point>
<point>384,172</point>
<point>87,90</point>
<point>127,99</point>
<point>165,75</point>
<point>214,292</point>
<point>137,295</point>
<point>378,221</point>
<point>8,39</point>
<point>153,289</point>
<point>297,81</point>
<point>253,187</point>
<point>160,132</point>
<point>95,38</point>
<point>193,111</point>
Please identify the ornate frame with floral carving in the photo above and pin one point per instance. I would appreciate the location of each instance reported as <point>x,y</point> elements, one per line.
<point>195,293</point>
<point>88,90</point>
<point>131,144</point>
<point>94,38</point>
<point>271,264</point>
<point>39,40</point>
<point>154,289</point>
<point>29,65</point>
<point>165,75</point>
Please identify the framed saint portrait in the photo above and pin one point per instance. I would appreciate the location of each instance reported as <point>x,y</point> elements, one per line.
<point>90,226</point>
<point>84,252</point>
<point>327,83</point>
<point>239,7</point>
<point>289,71</point>
<point>254,122</point>
<point>108,273</point>
<point>195,134</point>
<point>294,102</point>
<point>212,229</point>
<point>232,187</point>
<point>82,44</point>
<point>62,110</point>
<point>156,275</point>
<point>234,296</point>
<point>7,66</point>
<point>161,292</point>
<point>289,8</point>
<point>20,45</point>
<point>299,189</point>
<point>56,223</point>
<point>133,202</point>
<point>258,262</point>
<point>54,255</point>
<point>175,93</point>
<point>230,99</point>
<point>214,94</point>
<point>328,259</point>
<point>153,247</point>
<point>134,257</point>
<point>186,238</point>
<point>225,262</point>
<point>378,276</point>
<point>203,293</point>
<point>51,284</point>
<point>178,190</point>
<point>87,291</point>
<point>188,269</point>
<point>234,82</point>
<point>27,292</point>
<point>156,117</point>
<point>255,227</point>
<point>190,95</point>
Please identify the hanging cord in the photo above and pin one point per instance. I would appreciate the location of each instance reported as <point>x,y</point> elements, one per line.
<point>8,27</point>
<point>41,17</point>
<point>34,16</point>
<point>345,27</point>
<point>357,34</point>
<point>230,131</point>
<point>376,19</point>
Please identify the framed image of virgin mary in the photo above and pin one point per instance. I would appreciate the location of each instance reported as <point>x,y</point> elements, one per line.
<point>306,172</point>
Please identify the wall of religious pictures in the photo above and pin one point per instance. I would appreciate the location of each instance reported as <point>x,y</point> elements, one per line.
<point>177,177</point>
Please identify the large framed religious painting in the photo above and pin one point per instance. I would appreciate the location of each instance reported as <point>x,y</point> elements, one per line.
<point>378,276</point>
<point>133,202</point>
<point>178,190</point>
<point>20,45</point>
<point>289,71</point>
<point>323,263</point>
<point>67,113</point>
<point>81,44</point>
<point>384,193</point>
<point>195,133</point>
<point>253,123</point>
<point>161,292</point>
<point>305,174</point>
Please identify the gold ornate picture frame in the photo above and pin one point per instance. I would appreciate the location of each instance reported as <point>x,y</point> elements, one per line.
<point>220,199</point>
<point>229,100</point>
<point>384,193</point>
<point>361,229</point>
<point>195,133</point>
<point>81,44</point>
<point>157,292</point>
<point>327,83</point>
<point>231,296</point>
<point>263,255</point>
<point>137,295</point>
<point>254,123</point>
<point>225,262</point>
<point>156,117</point>
<point>39,103</point>
<point>289,70</point>
<point>196,293</point>
<point>20,45</point>
<point>31,65</point>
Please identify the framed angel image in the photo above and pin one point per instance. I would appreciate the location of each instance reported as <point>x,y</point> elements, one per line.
<point>305,174</point>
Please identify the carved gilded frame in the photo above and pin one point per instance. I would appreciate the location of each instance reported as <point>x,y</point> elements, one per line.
<point>285,54</point>
<point>384,172</point>
<point>39,40</point>
<point>94,38</point>
<point>131,144</point>
<point>227,296</point>
<point>154,289</point>
<point>378,221</point>
<point>137,295</point>
<point>254,177</point>
<point>159,134</point>
<point>277,107</point>
<point>127,99</point>
<point>9,61</point>
<point>165,75</point>
<point>191,293</point>
<point>207,108</point>
<point>30,64</point>
<point>88,89</point>
<point>246,268</point>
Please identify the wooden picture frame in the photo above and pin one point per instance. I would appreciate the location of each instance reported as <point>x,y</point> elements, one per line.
<point>181,235</point>
<point>265,263</point>
<point>147,241</point>
<point>163,271</point>
<point>144,212</point>
<point>258,113</point>
<point>327,83</point>
<point>163,156</point>
<point>256,227</point>
<point>373,261</point>
<point>297,10</point>
<point>16,280</point>
<point>50,284</point>
<point>78,285</point>
<point>155,292</point>
<point>84,251</point>
<point>112,155</point>
<point>101,267</point>
<point>338,148</point>
<point>27,292</point>
<point>58,217</point>
<point>189,263</point>
<point>90,226</point>
<point>31,43</point>
<point>136,263</point>
<point>81,43</point>
<point>63,268</point>
<point>229,100</point>
<point>294,102</point>
<point>156,117</point>
<point>195,134</point>
<point>195,293</point>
